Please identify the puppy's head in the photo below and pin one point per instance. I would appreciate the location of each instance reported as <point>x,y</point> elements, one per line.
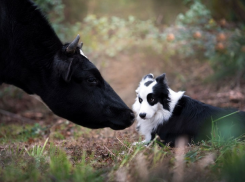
<point>152,98</point>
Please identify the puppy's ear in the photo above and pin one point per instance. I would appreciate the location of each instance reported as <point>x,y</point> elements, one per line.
<point>151,76</point>
<point>161,78</point>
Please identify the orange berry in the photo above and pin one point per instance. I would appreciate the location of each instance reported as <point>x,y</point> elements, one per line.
<point>243,49</point>
<point>223,22</point>
<point>221,37</point>
<point>170,37</point>
<point>220,46</point>
<point>197,35</point>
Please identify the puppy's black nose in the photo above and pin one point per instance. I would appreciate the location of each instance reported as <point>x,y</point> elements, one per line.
<point>142,115</point>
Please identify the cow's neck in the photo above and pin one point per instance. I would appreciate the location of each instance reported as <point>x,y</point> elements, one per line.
<point>28,50</point>
<point>32,74</point>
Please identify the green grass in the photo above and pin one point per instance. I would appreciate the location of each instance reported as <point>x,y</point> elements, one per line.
<point>52,165</point>
<point>90,156</point>
<point>18,133</point>
<point>37,151</point>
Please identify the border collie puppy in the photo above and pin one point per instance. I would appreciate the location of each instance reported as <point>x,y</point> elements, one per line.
<point>171,114</point>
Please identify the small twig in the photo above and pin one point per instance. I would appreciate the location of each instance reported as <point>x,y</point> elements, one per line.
<point>123,144</point>
<point>111,152</point>
<point>130,149</point>
<point>134,154</point>
<point>16,116</point>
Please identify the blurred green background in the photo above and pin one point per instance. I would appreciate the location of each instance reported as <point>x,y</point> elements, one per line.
<point>207,30</point>
<point>190,40</point>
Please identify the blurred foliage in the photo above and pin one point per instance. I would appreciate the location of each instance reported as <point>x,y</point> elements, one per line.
<point>111,35</point>
<point>233,164</point>
<point>54,10</point>
<point>75,10</point>
<point>222,43</point>
<point>194,34</point>
<point>198,14</point>
<point>232,10</point>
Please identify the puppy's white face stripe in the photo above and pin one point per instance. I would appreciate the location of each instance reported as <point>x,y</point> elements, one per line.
<point>81,52</point>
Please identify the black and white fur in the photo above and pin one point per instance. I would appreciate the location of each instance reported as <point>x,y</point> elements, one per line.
<point>160,110</point>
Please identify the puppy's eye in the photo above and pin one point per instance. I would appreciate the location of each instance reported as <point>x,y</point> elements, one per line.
<point>92,80</point>
<point>151,99</point>
<point>140,100</point>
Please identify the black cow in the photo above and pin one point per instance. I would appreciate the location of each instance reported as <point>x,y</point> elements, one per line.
<point>33,58</point>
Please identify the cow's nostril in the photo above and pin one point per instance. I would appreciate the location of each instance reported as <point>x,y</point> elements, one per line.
<point>132,115</point>
<point>142,115</point>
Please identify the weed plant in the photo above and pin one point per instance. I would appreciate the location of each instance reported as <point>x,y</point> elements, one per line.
<point>213,160</point>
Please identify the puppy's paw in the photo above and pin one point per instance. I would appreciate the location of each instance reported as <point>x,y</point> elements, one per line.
<point>136,143</point>
<point>144,142</point>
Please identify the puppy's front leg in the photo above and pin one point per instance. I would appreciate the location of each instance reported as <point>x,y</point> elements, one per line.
<point>148,138</point>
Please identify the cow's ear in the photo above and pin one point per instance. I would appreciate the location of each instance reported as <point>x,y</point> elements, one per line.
<point>161,78</point>
<point>67,68</point>
<point>67,73</point>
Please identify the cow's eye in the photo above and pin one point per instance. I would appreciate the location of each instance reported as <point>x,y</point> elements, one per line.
<point>140,100</point>
<point>92,80</point>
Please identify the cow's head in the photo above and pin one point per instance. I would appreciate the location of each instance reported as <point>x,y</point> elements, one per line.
<point>80,94</point>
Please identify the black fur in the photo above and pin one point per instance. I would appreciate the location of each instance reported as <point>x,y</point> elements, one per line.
<point>148,83</point>
<point>33,58</point>
<point>152,96</point>
<point>161,92</point>
<point>193,119</point>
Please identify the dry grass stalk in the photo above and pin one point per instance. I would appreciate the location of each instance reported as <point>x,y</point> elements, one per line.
<point>130,150</point>
<point>121,175</point>
<point>141,167</point>
<point>150,144</point>
<point>207,160</point>
<point>112,153</point>
<point>178,172</point>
